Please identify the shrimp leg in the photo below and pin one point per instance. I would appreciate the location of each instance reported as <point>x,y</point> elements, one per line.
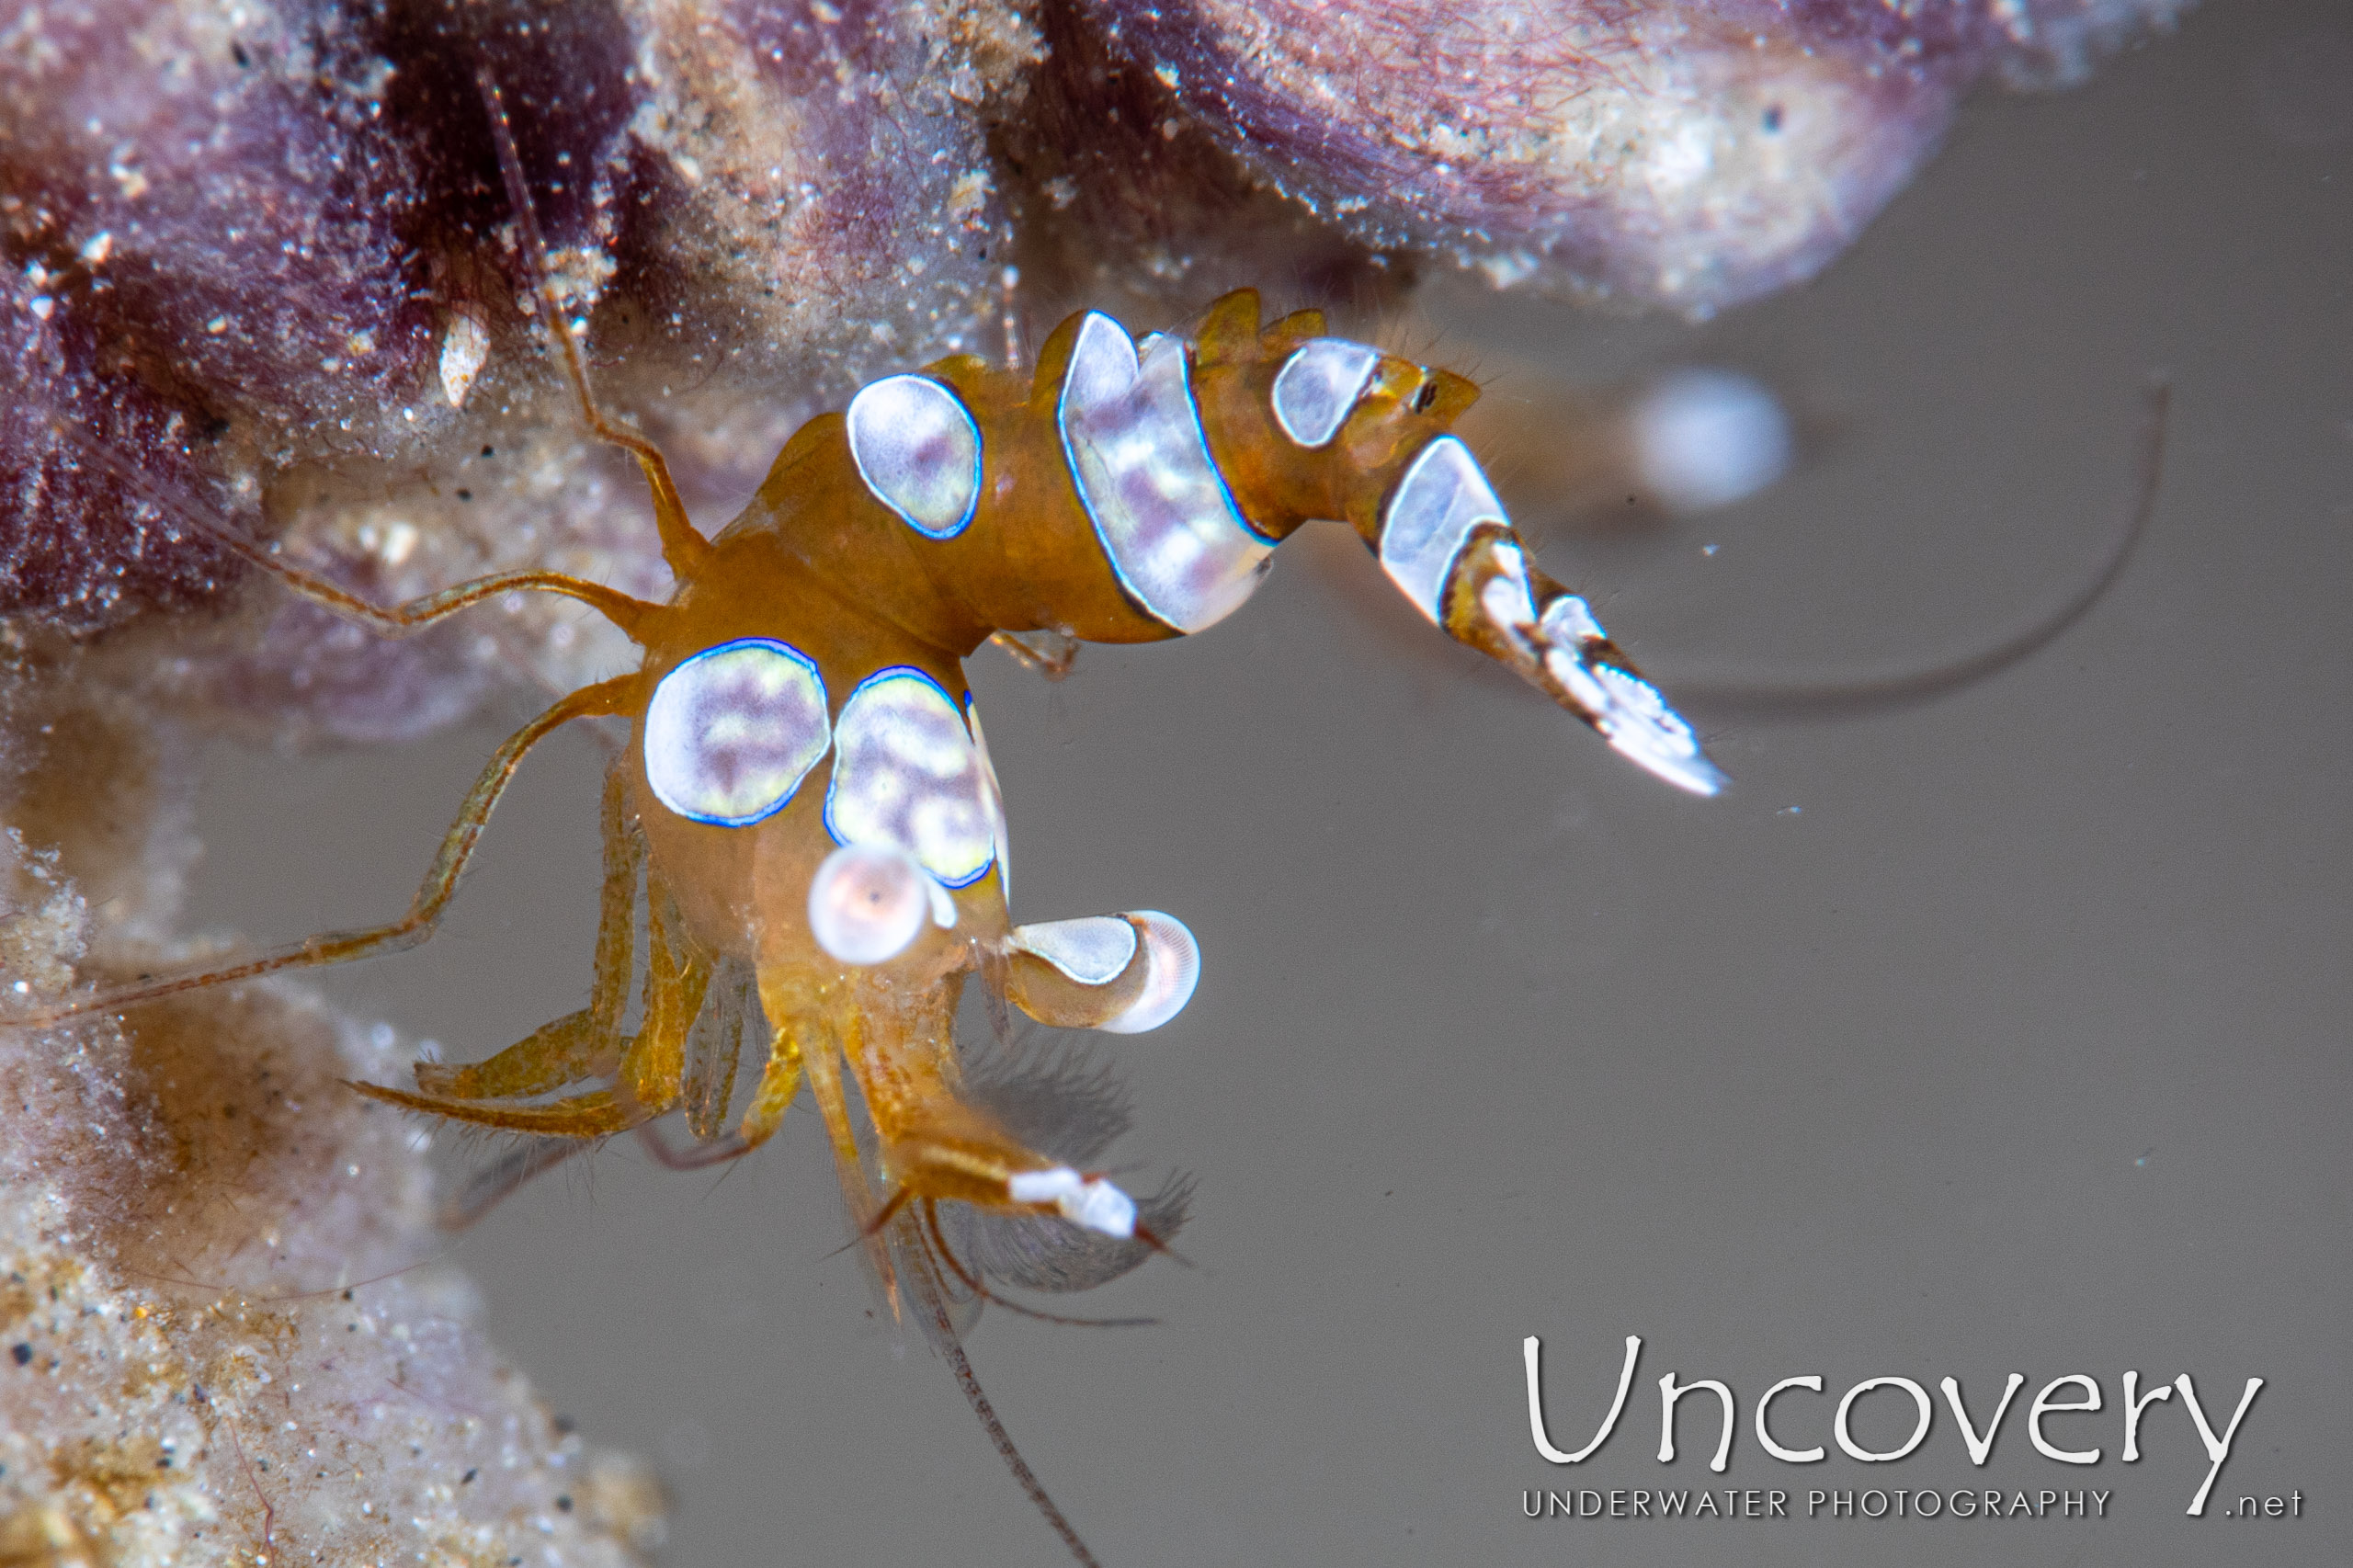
<point>606,697</point>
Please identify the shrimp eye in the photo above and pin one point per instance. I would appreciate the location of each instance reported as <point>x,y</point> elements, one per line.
<point>868,902</point>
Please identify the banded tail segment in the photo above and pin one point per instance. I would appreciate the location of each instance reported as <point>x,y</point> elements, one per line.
<point>1446,544</point>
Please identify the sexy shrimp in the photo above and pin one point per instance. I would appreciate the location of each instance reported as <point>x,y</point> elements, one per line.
<point>806,804</point>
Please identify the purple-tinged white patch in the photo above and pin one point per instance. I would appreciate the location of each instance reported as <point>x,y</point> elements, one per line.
<point>732,731</point>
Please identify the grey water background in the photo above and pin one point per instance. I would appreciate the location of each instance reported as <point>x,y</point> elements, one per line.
<point>2005,1032</point>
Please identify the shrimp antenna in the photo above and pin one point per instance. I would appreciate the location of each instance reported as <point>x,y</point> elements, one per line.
<point>682,546</point>
<point>1802,699</point>
<point>943,1335</point>
<point>392,620</point>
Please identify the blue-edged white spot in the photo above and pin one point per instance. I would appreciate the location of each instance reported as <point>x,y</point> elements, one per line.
<point>917,449</point>
<point>732,731</point>
<point>907,775</point>
<point>1095,949</point>
<point>1430,514</point>
<point>1103,365</point>
<point>1318,385</point>
<point>1132,435</point>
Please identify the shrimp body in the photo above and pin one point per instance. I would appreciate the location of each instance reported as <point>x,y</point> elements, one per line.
<point>806,810</point>
<point>809,771</point>
<point>808,791</point>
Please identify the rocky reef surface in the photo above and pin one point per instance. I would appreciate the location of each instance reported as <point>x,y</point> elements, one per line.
<point>224,1334</point>
<point>261,278</point>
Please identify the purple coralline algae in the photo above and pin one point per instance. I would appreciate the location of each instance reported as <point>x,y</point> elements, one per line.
<point>1687,153</point>
<point>260,264</point>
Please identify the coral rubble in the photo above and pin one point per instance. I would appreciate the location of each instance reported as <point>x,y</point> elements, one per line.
<point>222,1334</point>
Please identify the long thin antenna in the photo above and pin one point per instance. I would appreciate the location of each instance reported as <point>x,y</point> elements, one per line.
<point>682,546</point>
<point>944,1335</point>
<point>1832,694</point>
<point>394,620</point>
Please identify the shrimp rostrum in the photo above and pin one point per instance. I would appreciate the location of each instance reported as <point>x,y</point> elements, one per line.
<point>806,798</point>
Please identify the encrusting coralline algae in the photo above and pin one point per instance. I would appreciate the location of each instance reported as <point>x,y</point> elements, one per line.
<point>222,1334</point>
<point>259,253</point>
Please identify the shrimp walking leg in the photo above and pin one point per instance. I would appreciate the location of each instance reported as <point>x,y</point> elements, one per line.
<point>568,1050</point>
<point>696,1157</point>
<point>606,698</point>
<point>713,1052</point>
<point>682,545</point>
<point>1049,655</point>
<point>646,1075</point>
<point>652,1070</point>
<point>581,1045</point>
<point>599,1113</point>
<point>779,1081</point>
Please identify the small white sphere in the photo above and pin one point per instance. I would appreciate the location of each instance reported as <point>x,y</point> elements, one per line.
<point>1706,438</point>
<point>867,902</point>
